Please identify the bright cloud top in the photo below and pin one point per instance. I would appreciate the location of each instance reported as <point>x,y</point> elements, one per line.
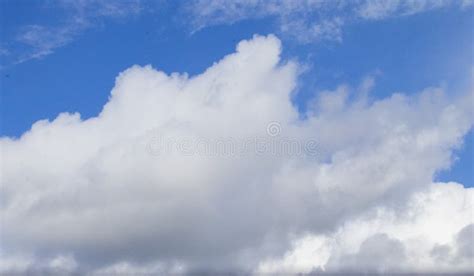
<point>87,195</point>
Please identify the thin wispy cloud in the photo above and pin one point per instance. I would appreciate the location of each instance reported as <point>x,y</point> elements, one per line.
<point>38,41</point>
<point>310,21</point>
<point>305,21</point>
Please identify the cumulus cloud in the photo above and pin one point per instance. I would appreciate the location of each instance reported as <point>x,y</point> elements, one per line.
<point>90,196</point>
<point>433,231</point>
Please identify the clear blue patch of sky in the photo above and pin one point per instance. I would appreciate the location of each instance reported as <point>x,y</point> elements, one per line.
<point>462,170</point>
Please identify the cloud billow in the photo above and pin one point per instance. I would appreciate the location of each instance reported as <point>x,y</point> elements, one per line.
<point>87,195</point>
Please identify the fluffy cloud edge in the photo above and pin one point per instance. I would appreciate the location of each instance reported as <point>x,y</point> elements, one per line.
<point>36,172</point>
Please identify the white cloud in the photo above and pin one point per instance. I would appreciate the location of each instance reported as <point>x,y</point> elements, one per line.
<point>433,232</point>
<point>60,265</point>
<point>309,21</point>
<point>380,9</point>
<point>90,193</point>
<point>304,21</point>
<point>42,40</point>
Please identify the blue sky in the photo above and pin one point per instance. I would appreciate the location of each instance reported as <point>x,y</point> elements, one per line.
<point>404,53</point>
